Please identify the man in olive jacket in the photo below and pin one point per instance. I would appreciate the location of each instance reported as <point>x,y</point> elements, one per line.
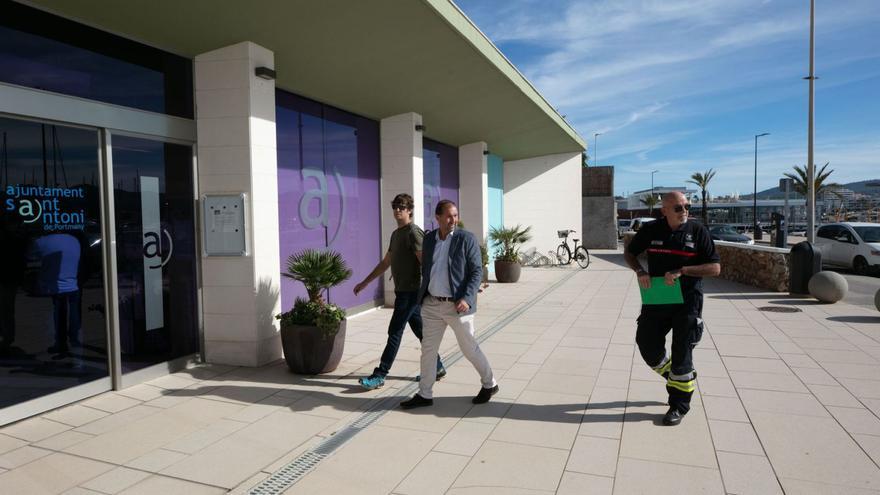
<point>451,274</point>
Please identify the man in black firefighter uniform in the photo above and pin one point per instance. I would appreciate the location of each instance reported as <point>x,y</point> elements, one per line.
<point>676,249</point>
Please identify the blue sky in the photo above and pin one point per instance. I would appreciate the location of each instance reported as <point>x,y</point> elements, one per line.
<point>680,86</point>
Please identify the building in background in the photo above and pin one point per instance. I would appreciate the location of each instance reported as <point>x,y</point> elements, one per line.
<point>189,148</point>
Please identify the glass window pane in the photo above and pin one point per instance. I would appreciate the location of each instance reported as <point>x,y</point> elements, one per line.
<point>52,328</point>
<point>155,251</point>
<point>328,191</point>
<point>43,51</point>
<point>440,166</point>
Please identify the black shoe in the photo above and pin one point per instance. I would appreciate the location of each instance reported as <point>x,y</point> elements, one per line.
<point>484,395</point>
<point>416,401</point>
<point>673,417</point>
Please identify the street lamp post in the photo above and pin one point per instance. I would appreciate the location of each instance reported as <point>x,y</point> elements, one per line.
<point>596,148</point>
<point>652,190</point>
<point>811,169</point>
<point>758,234</point>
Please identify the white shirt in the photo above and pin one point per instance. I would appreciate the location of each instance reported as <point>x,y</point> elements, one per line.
<point>439,283</point>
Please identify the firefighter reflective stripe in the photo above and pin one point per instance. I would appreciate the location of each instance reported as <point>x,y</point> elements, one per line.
<point>687,377</point>
<point>685,386</point>
<point>664,366</point>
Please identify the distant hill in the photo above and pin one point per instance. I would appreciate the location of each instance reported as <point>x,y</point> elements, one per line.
<point>859,187</point>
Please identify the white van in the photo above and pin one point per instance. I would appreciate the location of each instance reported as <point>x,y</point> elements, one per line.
<point>628,224</point>
<point>850,245</point>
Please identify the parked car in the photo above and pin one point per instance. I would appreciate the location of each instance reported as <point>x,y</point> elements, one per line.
<point>638,222</point>
<point>850,245</point>
<point>728,233</point>
<point>623,225</point>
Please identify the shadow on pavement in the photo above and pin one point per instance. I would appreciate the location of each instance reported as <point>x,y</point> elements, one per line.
<point>797,302</point>
<point>308,400</point>
<point>855,319</point>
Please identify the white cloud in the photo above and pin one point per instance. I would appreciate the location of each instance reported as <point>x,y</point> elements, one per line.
<point>661,78</point>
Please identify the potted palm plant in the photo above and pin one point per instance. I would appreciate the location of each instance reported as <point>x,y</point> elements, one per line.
<point>508,241</point>
<point>313,332</point>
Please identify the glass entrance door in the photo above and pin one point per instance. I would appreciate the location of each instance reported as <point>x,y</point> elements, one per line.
<point>53,332</point>
<point>155,251</point>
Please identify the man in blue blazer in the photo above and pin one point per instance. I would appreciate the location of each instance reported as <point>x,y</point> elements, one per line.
<point>451,274</point>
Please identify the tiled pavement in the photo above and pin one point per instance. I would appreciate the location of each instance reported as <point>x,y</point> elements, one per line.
<point>787,402</point>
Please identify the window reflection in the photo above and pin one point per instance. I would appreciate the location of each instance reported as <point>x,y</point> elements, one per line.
<point>47,52</point>
<point>328,190</point>
<point>52,327</point>
<point>155,251</point>
<point>440,169</point>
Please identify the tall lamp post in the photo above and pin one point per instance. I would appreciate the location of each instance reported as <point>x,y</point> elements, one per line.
<point>596,148</point>
<point>652,190</point>
<point>811,169</point>
<point>758,234</point>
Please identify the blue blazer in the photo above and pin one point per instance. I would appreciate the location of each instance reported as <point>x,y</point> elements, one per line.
<point>465,266</point>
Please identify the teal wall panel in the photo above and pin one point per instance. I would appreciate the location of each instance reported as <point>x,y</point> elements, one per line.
<point>495,166</point>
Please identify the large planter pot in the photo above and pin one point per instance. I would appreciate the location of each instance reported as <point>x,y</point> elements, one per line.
<point>507,271</point>
<point>306,350</point>
<point>485,274</point>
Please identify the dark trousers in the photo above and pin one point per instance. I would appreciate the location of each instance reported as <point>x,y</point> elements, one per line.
<point>406,310</point>
<point>686,323</point>
<point>68,317</point>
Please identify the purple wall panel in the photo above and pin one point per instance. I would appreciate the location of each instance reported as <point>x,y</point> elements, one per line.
<point>440,167</point>
<point>328,185</point>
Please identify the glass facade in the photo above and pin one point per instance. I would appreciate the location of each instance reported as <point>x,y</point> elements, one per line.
<point>52,323</point>
<point>43,51</point>
<point>440,168</point>
<point>155,251</point>
<point>328,191</point>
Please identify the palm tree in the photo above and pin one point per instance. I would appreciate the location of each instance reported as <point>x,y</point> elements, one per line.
<point>508,240</point>
<point>702,181</point>
<point>649,200</point>
<point>800,179</point>
<point>318,271</point>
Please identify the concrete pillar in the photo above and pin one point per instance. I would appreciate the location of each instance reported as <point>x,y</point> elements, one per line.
<point>400,149</point>
<point>473,189</point>
<point>235,117</point>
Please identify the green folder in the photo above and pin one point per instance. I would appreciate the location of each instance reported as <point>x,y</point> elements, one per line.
<point>660,293</point>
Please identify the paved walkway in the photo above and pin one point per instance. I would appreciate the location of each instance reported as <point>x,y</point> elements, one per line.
<point>786,401</point>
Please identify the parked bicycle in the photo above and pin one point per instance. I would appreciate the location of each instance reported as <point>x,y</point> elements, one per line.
<point>565,254</point>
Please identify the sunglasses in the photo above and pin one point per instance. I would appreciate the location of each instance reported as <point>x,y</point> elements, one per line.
<point>398,206</point>
<point>681,208</point>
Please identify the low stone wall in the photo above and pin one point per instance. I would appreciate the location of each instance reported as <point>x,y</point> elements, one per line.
<point>758,266</point>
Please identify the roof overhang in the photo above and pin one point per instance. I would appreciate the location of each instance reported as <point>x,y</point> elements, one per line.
<point>375,58</point>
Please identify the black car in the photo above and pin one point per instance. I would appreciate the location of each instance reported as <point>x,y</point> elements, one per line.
<point>729,234</point>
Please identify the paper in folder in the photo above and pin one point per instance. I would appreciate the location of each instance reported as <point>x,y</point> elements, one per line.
<point>660,293</point>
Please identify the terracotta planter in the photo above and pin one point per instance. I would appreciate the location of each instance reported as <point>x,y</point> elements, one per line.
<point>306,350</point>
<point>507,271</point>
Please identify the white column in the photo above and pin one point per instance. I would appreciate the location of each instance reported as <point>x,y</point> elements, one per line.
<point>473,189</point>
<point>402,172</point>
<point>235,117</point>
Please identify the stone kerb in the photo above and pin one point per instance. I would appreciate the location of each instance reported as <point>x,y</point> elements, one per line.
<point>758,266</point>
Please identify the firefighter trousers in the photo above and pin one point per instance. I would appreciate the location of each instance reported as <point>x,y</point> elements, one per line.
<point>686,323</point>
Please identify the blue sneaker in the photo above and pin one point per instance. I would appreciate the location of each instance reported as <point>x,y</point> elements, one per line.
<point>372,382</point>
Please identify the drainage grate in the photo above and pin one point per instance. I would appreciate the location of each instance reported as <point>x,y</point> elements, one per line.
<point>288,475</point>
<point>780,309</point>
